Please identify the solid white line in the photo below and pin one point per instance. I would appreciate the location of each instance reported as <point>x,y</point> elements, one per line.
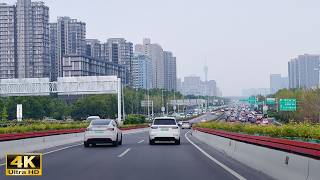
<point>216,161</point>
<point>124,153</point>
<point>140,141</point>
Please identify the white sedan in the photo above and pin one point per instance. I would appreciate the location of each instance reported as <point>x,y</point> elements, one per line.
<point>185,125</point>
<point>164,129</point>
<point>102,131</point>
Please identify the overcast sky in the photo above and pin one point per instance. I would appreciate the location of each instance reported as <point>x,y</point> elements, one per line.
<point>243,41</point>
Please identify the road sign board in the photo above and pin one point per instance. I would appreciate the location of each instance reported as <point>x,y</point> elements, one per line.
<point>252,100</point>
<point>271,101</point>
<point>288,104</point>
<point>19,112</point>
<point>163,109</point>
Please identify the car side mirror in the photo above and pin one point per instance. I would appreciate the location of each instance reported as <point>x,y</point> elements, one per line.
<point>149,125</point>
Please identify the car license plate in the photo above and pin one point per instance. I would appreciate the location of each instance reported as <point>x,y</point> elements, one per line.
<point>164,129</point>
<point>98,131</point>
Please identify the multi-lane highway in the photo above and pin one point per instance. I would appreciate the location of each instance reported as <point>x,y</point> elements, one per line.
<point>137,160</point>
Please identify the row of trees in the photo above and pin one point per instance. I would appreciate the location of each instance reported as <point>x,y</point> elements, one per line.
<point>308,105</point>
<point>38,107</point>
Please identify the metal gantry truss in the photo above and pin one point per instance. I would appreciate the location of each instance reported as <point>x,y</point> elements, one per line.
<point>63,86</point>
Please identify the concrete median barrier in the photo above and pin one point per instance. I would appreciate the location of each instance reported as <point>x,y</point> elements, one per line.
<point>277,164</point>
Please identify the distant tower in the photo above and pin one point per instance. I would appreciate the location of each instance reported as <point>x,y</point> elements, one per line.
<point>205,72</point>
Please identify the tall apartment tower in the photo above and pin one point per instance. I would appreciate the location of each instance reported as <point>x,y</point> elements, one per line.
<point>68,37</point>
<point>277,82</point>
<point>155,52</point>
<point>119,51</point>
<point>170,71</point>
<point>141,72</point>
<point>93,48</point>
<point>27,40</point>
<point>304,71</point>
<point>8,41</point>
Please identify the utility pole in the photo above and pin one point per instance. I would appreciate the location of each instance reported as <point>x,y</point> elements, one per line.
<point>175,103</point>
<point>152,109</point>
<point>124,115</point>
<point>148,103</point>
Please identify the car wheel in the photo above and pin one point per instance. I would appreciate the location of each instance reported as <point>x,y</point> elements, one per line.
<point>177,142</point>
<point>120,142</point>
<point>151,142</point>
<point>85,144</point>
<point>115,143</point>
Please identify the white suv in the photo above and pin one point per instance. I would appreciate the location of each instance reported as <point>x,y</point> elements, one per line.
<point>164,129</point>
<point>101,131</point>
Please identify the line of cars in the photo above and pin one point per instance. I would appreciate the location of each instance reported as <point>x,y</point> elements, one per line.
<point>245,115</point>
<point>106,131</point>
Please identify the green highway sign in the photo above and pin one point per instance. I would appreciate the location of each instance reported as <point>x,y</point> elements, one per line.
<point>288,104</point>
<point>271,101</point>
<point>252,100</point>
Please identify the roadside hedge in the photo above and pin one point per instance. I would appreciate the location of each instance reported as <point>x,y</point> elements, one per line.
<point>135,119</point>
<point>303,131</point>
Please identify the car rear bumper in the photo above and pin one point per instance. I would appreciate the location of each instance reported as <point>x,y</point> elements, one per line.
<point>107,136</point>
<point>99,140</point>
<point>160,135</point>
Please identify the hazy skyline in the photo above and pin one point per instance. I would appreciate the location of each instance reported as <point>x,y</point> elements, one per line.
<point>242,41</point>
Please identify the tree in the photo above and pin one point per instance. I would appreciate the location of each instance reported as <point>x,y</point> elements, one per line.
<point>4,114</point>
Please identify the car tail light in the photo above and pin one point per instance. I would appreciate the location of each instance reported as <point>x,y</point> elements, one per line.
<point>154,127</point>
<point>89,129</point>
<point>110,129</point>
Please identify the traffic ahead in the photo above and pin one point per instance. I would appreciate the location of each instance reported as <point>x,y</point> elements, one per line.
<point>137,160</point>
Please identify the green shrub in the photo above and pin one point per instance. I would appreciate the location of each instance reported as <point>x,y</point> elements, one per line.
<point>135,119</point>
<point>43,126</point>
<point>304,131</point>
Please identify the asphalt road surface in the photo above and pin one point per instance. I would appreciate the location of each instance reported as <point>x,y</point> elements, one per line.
<point>137,160</point>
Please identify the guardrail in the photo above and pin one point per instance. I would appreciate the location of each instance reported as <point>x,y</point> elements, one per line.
<point>17,136</point>
<point>301,148</point>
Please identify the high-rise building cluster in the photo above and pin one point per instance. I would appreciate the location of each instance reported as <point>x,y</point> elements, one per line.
<point>24,40</point>
<point>304,71</point>
<point>193,85</point>
<point>278,82</point>
<point>161,66</point>
<point>31,47</point>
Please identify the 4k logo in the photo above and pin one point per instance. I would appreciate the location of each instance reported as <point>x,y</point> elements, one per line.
<point>24,165</point>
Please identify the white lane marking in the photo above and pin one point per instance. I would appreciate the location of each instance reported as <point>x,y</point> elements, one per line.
<point>56,150</point>
<point>140,141</point>
<point>124,153</point>
<point>216,161</point>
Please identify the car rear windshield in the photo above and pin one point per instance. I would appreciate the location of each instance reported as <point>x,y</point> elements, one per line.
<point>100,122</point>
<point>164,122</point>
